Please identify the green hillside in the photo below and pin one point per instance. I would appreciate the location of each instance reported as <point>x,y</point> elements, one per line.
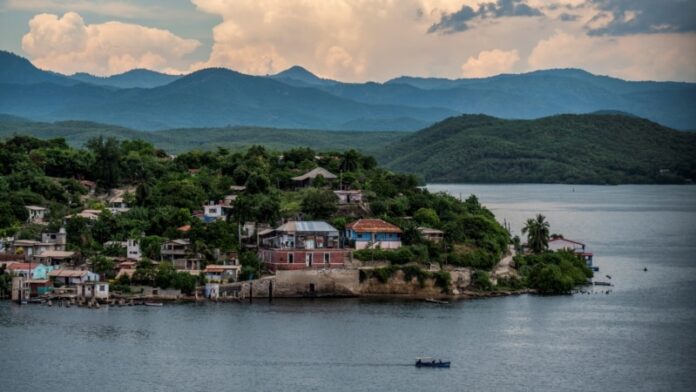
<point>595,149</point>
<point>76,134</point>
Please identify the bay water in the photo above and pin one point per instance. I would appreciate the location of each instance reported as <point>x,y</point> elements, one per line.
<point>641,336</point>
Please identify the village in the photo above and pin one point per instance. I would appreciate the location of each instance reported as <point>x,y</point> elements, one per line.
<point>345,234</point>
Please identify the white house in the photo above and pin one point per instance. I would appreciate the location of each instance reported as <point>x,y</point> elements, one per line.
<point>89,290</point>
<point>218,273</point>
<point>36,214</point>
<point>349,196</point>
<point>133,249</point>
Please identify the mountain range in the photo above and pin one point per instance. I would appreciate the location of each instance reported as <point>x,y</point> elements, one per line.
<point>579,149</point>
<point>296,98</point>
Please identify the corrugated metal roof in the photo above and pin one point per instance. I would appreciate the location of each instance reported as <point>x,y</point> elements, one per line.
<point>317,171</point>
<point>307,226</point>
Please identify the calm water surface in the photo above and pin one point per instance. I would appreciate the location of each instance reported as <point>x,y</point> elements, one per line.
<point>640,337</point>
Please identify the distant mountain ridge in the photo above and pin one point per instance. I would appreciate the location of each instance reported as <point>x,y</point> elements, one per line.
<point>143,78</point>
<point>590,148</point>
<point>296,98</point>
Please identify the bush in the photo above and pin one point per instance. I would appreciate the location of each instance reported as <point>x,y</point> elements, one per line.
<point>443,280</point>
<point>481,281</point>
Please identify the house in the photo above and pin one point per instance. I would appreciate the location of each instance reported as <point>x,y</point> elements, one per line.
<point>219,273</point>
<point>213,211</point>
<point>349,196</point>
<point>36,214</point>
<point>179,253</point>
<point>72,277</point>
<point>93,290</point>
<point>39,287</point>
<point>373,233</point>
<point>86,214</point>
<point>308,178</point>
<point>56,257</point>
<point>430,234</point>
<point>557,243</point>
<point>90,186</point>
<point>117,205</point>
<point>116,202</point>
<point>26,248</point>
<point>126,268</point>
<point>59,239</point>
<point>133,249</point>
<point>35,271</point>
<point>300,244</point>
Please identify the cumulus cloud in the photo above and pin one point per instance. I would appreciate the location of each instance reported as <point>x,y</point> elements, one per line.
<point>636,57</point>
<point>462,19</point>
<point>490,62</point>
<point>66,44</point>
<point>344,39</point>
<point>644,17</point>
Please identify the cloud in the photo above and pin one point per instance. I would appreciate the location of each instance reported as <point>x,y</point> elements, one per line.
<point>66,44</point>
<point>110,8</point>
<point>635,57</point>
<point>461,20</point>
<point>625,17</point>
<point>566,17</point>
<point>490,62</point>
<point>344,39</point>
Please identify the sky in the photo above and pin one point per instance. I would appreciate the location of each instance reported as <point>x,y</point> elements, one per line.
<point>357,40</point>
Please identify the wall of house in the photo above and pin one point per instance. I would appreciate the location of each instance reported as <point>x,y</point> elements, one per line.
<point>379,244</point>
<point>280,259</point>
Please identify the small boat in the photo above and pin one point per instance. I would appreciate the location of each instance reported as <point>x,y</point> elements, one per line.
<point>602,284</point>
<point>153,304</point>
<point>436,301</point>
<point>431,363</point>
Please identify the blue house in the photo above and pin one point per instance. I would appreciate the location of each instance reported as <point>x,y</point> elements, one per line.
<point>373,233</point>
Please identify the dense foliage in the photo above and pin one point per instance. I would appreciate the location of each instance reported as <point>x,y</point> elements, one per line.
<point>591,149</point>
<point>553,272</point>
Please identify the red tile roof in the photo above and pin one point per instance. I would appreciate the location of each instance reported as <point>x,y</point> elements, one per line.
<point>22,266</point>
<point>372,226</point>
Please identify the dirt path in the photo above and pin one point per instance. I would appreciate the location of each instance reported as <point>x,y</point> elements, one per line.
<point>504,267</point>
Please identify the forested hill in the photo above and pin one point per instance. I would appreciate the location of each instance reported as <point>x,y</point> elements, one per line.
<point>595,149</point>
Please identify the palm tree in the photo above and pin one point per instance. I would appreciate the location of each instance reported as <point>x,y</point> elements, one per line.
<point>537,231</point>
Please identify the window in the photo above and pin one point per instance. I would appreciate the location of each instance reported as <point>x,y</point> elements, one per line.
<point>327,258</point>
<point>102,287</point>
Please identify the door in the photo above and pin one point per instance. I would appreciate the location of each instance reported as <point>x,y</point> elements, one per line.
<point>309,258</point>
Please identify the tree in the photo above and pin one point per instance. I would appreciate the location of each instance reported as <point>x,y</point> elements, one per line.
<point>107,160</point>
<point>351,161</point>
<point>251,266</point>
<point>427,217</point>
<point>103,266</point>
<point>537,231</point>
<point>319,203</point>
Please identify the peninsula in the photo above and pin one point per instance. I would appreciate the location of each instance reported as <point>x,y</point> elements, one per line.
<point>122,219</point>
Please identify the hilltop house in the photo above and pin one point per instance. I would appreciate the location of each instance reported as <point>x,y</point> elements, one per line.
<point>557,243</point>
<point>31,248</point>
<point>373,233</point>
<point>308,178</point>
<point>349,196</point>
<point>430,234</point>
<point>116,202</point>
<point>86,214</point>
<point>302,244</point>
<point>133,249</point>
<point>36,214</point>
<point>213,210</point>
<point>179,253</point>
